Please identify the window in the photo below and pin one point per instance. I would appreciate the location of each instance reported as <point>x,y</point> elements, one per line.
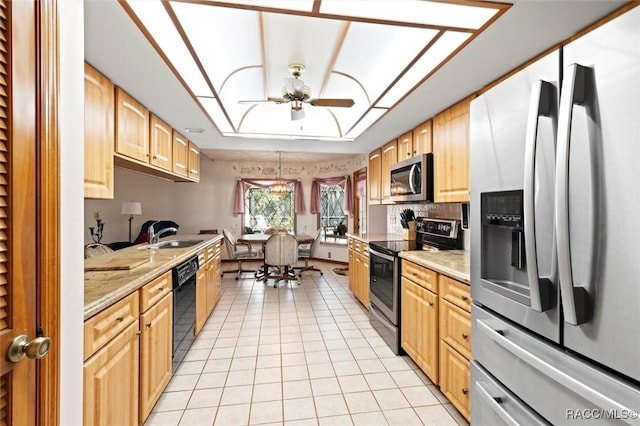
<point>264,209</point>
<point>332,213</point>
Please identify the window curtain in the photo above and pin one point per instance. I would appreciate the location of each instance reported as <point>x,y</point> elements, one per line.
<point>344,181</point>
<point>238,202</point>
<point>361,186</point>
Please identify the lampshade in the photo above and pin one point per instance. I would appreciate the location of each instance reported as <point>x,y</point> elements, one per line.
<point>131,208</point>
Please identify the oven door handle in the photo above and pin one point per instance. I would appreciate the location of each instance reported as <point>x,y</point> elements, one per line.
<point>381,255</point>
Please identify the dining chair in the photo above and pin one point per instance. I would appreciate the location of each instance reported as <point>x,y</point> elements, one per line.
<point>281,251</point>
<point>305,251</point>
<point>238,250</point>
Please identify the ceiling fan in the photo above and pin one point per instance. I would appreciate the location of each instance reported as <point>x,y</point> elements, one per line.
<point>297,93</point>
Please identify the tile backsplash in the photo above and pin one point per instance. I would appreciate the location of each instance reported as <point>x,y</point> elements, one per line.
<point>433,210</point>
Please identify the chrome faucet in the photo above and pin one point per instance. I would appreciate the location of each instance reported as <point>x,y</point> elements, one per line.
<point>155,237</point>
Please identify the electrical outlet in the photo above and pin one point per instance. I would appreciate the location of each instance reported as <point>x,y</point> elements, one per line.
<point>392,219</point>
<point>329,255</point>
<point>96,215</point>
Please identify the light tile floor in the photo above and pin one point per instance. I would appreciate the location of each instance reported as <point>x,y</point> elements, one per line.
<point>297,355</point>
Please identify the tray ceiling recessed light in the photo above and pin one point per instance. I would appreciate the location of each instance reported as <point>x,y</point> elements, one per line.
<point>193,130</point>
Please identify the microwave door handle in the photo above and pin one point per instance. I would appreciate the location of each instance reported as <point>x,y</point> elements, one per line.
<point>574,91</point>
<point>542,103</point>
<point>412,172</point>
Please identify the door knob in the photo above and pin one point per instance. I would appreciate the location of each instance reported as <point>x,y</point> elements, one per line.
<point>20,346</point>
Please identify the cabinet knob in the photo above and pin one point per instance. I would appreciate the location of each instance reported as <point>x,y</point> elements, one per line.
<point>415,274</point>
<point>464,298</point>
<point>430,303</point>
<point>161,288</point>
<point>465,336</point>
<point>155,157</point>
<point>465,391</point>
<point>138,333</point>
<point>120,319</point>
<point>148,325</point>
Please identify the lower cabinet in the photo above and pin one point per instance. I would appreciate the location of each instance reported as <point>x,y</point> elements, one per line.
<point>201,298</point>
<point>419,325</point>
<point>359,270</point>
<point>111,382</point>
<point>156,342</point>
<point>436,330</point>
<point>214,276</point>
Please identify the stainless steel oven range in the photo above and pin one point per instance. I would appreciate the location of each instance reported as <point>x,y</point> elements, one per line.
<point>384,273</point>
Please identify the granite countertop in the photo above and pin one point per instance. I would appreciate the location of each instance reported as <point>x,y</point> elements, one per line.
<point>453,263</point>
<point>104,288</point>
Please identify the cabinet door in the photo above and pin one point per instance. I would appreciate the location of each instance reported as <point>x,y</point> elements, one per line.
<point>194,162</point>
<point>422,138</point>
<point>180,155</point>
<point>161,143</point>
<point>201,298</point>
<point>405,146</point>
<point>419,325</point>
<point>212,287</point>
<point>156,326</point>
<point>111,382</point>
<point>373,175</point>
<point>132,127</point>
<point>364,280</point>
<point>451,154</point>
<point>98,134</point>
<point>389,157</point>
<point>454,375</point>
<point>352,269</point>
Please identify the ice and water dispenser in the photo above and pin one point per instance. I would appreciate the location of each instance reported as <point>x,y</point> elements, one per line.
<point>503,255</point>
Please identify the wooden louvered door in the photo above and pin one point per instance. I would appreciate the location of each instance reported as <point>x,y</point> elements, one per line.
<point>18,132</point>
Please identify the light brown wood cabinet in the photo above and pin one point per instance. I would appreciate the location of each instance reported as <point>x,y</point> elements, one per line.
<point>156,350</point>
<point>98,134</point>
<point>451,153</point>
<point>389,157</point>
<point>359,270</point>
<point>455,344</point>
<point>160,143</point>
<point>180,155</point>
<point>194,162</point>
<point>373,176</point>
<point>214,276</point>
<point>405,146</point>
<point>422,138</point>
<point>419,323</point>
<point>201,298</point>
<point>132,127</point>
<point>111,368</point>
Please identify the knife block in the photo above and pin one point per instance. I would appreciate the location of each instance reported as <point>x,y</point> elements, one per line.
<point>409,234</point>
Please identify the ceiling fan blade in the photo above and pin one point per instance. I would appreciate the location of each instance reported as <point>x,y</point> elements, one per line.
<point>262,101</point>
<point>330,102</point>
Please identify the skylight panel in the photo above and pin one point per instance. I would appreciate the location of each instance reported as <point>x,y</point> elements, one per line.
<point>414,11</point>
<point>212,108</point>
<point>154,17</point>
<point>300,5</point>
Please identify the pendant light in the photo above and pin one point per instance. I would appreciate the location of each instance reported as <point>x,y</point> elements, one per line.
<point>279,187</point>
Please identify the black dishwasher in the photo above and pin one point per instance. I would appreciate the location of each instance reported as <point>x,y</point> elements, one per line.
<point>184,308</point>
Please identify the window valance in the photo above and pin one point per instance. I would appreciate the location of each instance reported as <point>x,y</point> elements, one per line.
<point>343,181</point>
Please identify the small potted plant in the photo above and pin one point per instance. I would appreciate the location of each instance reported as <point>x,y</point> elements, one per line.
<point>341,229</point>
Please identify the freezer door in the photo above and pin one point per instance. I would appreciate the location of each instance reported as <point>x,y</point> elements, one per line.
<point>492,404</point>
<point>513,128</point>
<point>561,388</point>
<point>597,202</point>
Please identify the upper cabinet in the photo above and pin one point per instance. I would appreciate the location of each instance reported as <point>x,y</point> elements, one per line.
<point>180,155</point>
<point>405,146</point>
<point>451,153</point>
<point>373,176</point>
<point>422,138</point>
<point>98,134</point>
<point>389,157</point>
<point>161,143</point>
<point>194,162</point>
<point>132,127</point>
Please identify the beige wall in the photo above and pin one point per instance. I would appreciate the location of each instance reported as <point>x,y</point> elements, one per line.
<point>208,204</point>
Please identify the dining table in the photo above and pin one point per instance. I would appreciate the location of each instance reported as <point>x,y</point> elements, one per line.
<point>261,238</point>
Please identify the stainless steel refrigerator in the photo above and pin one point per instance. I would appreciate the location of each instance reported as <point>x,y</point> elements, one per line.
<point>555,236</point>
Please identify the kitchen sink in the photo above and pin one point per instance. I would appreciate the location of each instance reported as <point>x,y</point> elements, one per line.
<point>172,244</point>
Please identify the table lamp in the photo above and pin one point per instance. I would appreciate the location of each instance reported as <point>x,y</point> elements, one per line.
<point>132,208</point>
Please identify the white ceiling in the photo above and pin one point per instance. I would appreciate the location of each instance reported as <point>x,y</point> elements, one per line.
<point>115,46</point>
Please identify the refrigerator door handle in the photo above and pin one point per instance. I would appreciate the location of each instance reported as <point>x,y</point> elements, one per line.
<point>542,103</point>
<point>574,299</point>
<point>494,404</point>
<point>571,383</point>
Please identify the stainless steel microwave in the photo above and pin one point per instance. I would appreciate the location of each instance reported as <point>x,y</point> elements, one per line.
<point>412,179</point>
